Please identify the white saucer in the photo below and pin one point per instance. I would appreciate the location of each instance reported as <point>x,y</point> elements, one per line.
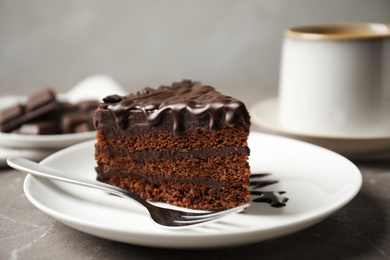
<point>264,114</point>
<point>317,183</point>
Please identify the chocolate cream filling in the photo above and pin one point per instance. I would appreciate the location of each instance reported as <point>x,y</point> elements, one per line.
<point>216,185</point>
<point>172,155</point>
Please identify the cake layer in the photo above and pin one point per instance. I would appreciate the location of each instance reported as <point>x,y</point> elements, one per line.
<point>233,168</point>
<point>184,194</point>
<point>194,139</point>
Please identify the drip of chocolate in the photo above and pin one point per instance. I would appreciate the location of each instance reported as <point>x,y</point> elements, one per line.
<point>274,198</point>
<point>185,96</point>
<point>260,184</point>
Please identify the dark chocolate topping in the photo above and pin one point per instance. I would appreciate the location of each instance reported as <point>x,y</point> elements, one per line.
<point>179,98</point>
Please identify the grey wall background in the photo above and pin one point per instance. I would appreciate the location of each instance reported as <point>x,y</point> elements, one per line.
<point>225,43</point>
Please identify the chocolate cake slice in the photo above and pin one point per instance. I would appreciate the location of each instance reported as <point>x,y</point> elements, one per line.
<point>184,144</point>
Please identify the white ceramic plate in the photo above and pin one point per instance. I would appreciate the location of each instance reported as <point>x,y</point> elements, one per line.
<point>317,182</point>
<point>264,114</point>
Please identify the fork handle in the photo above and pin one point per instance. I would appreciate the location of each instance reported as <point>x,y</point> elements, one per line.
<point>36,169</point>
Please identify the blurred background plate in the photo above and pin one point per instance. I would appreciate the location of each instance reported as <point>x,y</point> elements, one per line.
<point>264,114</point>
<point>44,141</point>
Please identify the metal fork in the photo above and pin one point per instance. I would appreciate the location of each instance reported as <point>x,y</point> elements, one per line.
<point>164,217</point>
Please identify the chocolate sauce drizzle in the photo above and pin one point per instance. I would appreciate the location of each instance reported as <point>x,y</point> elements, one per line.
<point>274,198</point>
<point>186,96</point>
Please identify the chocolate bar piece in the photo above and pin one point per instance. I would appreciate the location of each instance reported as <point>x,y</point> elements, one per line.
<point>70,120</point>
<point>43,114</point>
<point>10,113</point>
<point>39,106</point>
<point>15,117</point>
<point>88,107</point>
<point>40,99</point>
<point>11,118</point>
<point>83,127</point>
<point>40,128</point>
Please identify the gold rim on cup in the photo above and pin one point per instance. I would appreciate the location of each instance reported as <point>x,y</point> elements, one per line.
<point>345,31</point>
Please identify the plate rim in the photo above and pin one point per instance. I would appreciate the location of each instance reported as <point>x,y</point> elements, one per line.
<point>304,220</point>
<point>42,142</point>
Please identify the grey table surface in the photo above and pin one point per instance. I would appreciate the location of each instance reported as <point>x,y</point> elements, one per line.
<point>360,230</point>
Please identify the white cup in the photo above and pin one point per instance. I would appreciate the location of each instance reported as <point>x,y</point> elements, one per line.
<point>335,80</point>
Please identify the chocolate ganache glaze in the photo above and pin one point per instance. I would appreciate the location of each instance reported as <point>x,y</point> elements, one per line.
<point>186,96</point>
